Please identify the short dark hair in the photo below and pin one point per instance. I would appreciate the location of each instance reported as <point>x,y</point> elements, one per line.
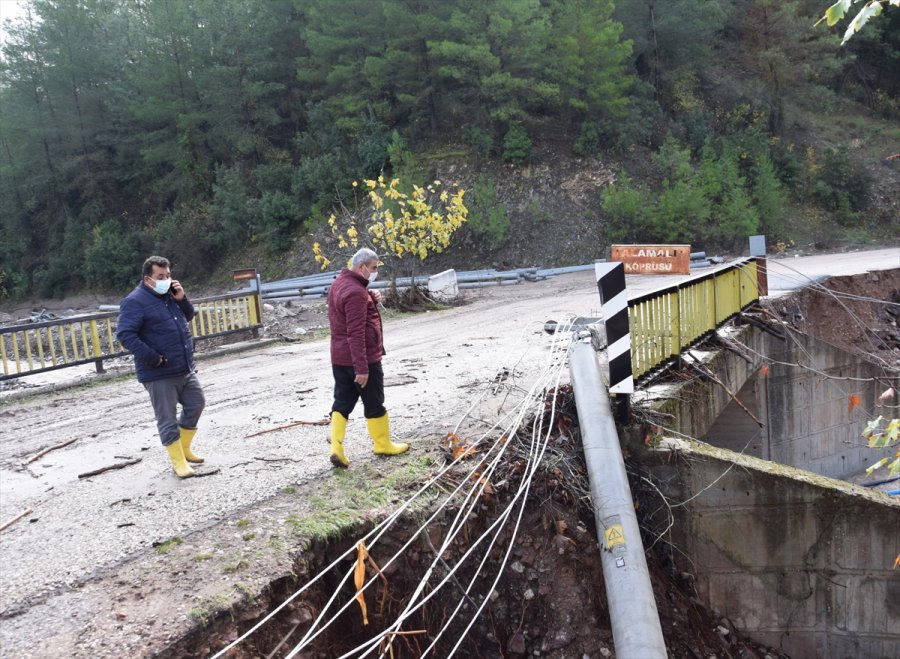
<point>158,261</point>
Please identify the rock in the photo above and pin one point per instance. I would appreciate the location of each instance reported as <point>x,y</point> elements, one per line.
<point>516,644</point>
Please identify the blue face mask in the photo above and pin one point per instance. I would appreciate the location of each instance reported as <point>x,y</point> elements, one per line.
<point>162,286</point>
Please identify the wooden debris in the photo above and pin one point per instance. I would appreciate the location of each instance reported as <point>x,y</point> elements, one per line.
<point>304,422</point>
<point>118,465</point>
<point>695,363</point>
<point>15,519</point>
<point>41,454</point>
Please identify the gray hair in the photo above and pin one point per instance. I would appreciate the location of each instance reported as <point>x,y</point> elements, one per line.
<point>364,255</point>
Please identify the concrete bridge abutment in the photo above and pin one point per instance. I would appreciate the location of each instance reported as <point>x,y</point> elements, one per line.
<point>773,541</point>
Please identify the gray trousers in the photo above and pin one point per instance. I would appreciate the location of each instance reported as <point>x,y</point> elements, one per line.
<point>165,394</point>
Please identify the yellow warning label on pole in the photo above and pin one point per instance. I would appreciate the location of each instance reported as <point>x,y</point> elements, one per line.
<point>614,536</point>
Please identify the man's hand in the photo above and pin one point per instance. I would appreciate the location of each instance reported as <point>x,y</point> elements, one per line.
<point>362,380</point>
<point>177,290</point>
<point>376,295</point>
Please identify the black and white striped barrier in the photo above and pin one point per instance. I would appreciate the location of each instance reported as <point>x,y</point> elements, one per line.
<point>614,306</point>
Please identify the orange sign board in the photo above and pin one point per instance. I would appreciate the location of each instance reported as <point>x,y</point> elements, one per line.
<point>654,259</point>
<point>245,274</point>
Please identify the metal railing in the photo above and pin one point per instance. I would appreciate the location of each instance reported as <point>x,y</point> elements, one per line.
<point>55,344</point>
<point>666,321</point>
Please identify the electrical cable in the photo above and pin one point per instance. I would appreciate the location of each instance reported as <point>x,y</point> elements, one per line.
<point>457,523</point>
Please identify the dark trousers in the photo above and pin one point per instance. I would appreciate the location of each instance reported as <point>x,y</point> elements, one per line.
<point>165,395</point>
<point>347,392</point>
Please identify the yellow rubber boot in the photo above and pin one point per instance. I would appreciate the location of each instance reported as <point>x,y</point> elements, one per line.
<point>338,429</point>
<point>179,464</point>
<point>380,430</point>
<point>187,436</point>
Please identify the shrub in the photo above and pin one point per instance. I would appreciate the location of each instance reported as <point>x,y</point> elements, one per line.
<point>112,260</point>
<point>588,140</point>
<point>627,207</point>
<point>841,186</point>
<point>516,144</point>
<point>278,214</point>
<point>488,217</point>
<point>479,139</point>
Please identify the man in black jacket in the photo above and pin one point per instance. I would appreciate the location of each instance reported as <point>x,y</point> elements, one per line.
<point>153,325</point>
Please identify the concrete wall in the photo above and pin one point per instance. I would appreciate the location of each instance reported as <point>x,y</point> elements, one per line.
<point>802,402</point>
<point>797,561</point>
<point>810,422</point>
<point>791,557</point>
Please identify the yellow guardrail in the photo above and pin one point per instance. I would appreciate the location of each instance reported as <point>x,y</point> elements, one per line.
<point>666,321</point>
<point>55,344</point>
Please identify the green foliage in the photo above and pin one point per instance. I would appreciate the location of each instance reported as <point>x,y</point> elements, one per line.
<point>186,236</point>
<point>112,259</point>
<point>769,197</point>
<point>203,126</point>
<point>167,546</point>
<point>278,215</point>
<point>231,209</point>
<point>487,217</point>
<point>680,214</point>
<point>63,270</point>
<point>516,144</point>
<point>708,201</point>
<point>404,164</point>
<point>627,207</point>
<point>588,140</point>
<point>842,186</point>
<point>479,139</point>
<point>372,148</point>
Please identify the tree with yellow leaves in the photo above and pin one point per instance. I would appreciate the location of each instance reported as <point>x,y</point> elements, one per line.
<point>404,228</point>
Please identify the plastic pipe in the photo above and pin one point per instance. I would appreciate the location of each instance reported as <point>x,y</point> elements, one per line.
<point>637,633</point>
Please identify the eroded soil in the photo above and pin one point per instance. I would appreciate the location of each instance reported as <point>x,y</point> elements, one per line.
<point>549,599</point>
<point>857,313</point>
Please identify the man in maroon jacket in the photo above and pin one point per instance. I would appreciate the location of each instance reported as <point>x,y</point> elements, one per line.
<point>356,351</point>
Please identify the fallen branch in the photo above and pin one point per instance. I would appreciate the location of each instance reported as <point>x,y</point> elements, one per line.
<point>41,454</point>
<point>118,465</point>
<point>766,327</point>
<point>201,474</point>
<point>705,372</point>
<point>321,422</point>
<point>728,345</point>
<point>15,519</point>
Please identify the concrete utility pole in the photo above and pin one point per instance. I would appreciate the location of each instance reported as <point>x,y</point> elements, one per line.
<point>632,608</point>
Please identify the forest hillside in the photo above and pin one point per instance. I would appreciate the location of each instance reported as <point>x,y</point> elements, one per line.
<point>225,133</point>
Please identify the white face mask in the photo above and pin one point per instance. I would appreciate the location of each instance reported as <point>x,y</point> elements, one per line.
<point>162,286</point>
<point>373,276</point>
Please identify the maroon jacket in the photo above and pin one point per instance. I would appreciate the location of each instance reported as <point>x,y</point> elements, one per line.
<point>356,334</point>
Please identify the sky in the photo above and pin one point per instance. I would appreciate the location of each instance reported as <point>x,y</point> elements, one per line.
<point>14,9</point>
